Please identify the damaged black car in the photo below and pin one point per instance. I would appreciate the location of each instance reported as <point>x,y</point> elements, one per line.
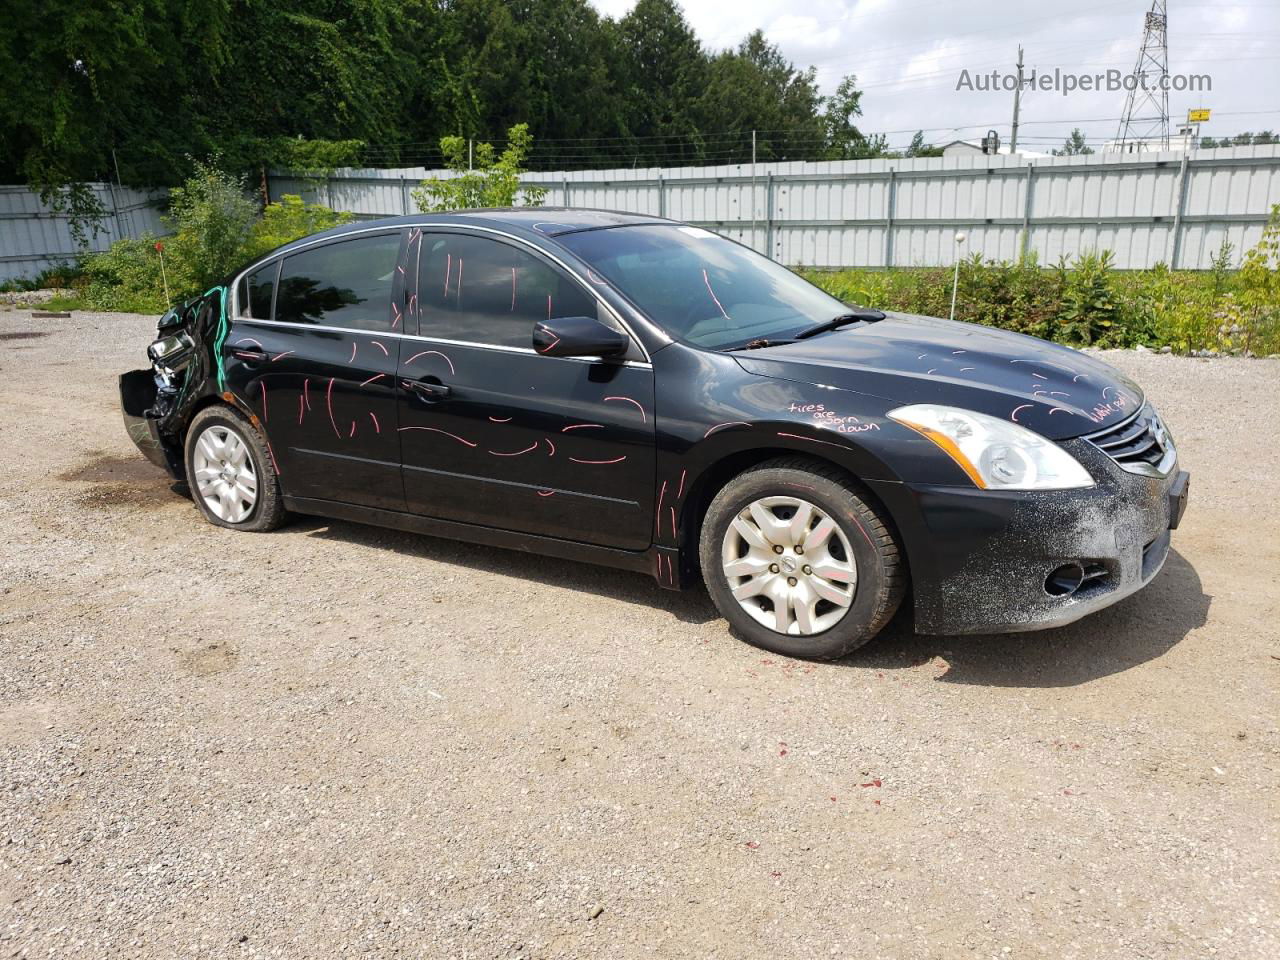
<point>641,393</point>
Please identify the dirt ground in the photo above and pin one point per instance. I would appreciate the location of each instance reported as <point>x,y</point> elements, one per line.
<point>336,740</point>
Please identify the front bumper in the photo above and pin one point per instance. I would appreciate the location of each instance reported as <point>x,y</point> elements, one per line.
<point>139,394</point>
<point>980,559</point>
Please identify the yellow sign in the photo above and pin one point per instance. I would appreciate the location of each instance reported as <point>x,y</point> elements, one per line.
<point>1198,116</point>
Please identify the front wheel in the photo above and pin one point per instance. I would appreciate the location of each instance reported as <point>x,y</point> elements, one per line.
<point>798,561</point>
<point>230,472</point>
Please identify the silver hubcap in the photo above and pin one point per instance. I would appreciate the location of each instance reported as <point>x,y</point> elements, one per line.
<point>224,474</point>
<point>789,566</point>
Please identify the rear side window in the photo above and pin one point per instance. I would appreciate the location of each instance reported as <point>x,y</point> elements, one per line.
<point>484,291</point>
<point>343,284</point>
<point>256,290</point>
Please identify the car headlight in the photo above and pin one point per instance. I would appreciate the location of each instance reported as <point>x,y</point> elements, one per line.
<point>996,454</point>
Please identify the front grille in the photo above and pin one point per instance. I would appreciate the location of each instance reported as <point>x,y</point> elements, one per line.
<point>1140,444</point>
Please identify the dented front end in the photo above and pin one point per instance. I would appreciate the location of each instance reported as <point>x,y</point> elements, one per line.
<point>157,402</point>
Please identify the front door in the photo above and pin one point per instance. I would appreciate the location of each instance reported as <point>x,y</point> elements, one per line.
<point>493,433</point>
<point>320,372</point>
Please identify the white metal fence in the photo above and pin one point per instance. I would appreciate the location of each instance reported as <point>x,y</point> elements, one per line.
<point>1173,207</point>
<point>34,237</point>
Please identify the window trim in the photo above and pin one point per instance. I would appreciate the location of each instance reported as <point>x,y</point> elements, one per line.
<point>282,256</point>
<point>555,265</point>
<point>426,225</point>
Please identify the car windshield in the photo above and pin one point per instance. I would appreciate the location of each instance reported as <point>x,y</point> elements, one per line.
<point>702,288</point>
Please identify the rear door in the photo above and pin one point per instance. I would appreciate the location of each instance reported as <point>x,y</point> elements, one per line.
<point>313,351</point>
<point>493,433</point>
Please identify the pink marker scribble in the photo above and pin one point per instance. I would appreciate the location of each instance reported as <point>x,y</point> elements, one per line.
<point>458,292</point>
<point>328,399</point>
<point>922,356</point>
<point>661,496</point>
<point>1079,376</point>
<point>500,419</point>
<point>516,453</point>
<point>931,370</point>
<point>401,269</point>
<point>583,426</point>
<point>272,454</point>
<point>395,320</point>
<point>546,493</point>
<point>380,347</point>
<point>353,430</point>
<point>426,353</point>
<point>279,355</point>
<point>707,280</point>
<point>866,536</point>
<point>956,352</point>
<point>306,392</point>
<point>1054,410</point>
<point>249,340</point>
<point>453,436</point>
<point>352,358</point>
<point>1058,393</point>
<point>549,345</point>
<point>1104,393</point>
<point>680,492</point>
<point>720,426</point>
<point>598,462</point>
<point>1014,416</point>
<point>596,278</point>
<point>376,376</point>
<point>629,400</point>
<point>513,290</point>
<point>413,303</point>
<point>377,428</point>
<point>1040,376</point>
<point>448,271</point>
<point>673,522</point>
<point>548,306</point>
<point>548,442</point>
<point>963,369</point>
<point>263,385</point>
<point>247,354</point>
<point>301,409</point>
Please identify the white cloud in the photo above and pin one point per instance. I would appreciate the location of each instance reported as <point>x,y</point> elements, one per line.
<point>908,54</point>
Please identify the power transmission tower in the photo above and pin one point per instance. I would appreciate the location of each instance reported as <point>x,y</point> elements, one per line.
<point>1146,110</point>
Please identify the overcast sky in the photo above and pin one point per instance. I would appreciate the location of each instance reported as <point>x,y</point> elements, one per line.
<point>908,56</point>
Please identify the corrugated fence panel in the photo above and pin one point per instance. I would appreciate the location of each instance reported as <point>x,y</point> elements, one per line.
<point>1146,209</point>
<point>34,238</point>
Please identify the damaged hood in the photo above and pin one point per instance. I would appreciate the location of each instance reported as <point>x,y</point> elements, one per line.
<point>1055,391</point>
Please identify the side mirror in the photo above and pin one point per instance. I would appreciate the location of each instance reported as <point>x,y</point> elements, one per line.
<point>577,337</point>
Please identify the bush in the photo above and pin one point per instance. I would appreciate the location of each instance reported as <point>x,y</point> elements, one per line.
<point>217,230</point>
<point>1087,302</point>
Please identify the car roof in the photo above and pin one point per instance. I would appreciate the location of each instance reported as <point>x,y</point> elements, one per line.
<point>532,223</point>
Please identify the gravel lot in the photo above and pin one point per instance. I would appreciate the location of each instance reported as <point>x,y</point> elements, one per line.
<point>336,740</point>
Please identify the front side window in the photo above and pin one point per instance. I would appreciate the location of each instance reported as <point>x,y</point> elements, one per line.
<point>256,290</point>
<point>702,288</point>
<point>343,284</point>
<point>479,290</point>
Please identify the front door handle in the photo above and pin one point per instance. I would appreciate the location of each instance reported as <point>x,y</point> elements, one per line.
<point>428,390</point>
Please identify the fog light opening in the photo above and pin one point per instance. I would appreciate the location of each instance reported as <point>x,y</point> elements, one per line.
<point>1065,580</point>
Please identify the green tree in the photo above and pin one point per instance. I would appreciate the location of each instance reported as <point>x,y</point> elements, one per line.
<point>844,140</point>
<point>1074,146</point>
<point>481,180</point>
<point>918,148</point>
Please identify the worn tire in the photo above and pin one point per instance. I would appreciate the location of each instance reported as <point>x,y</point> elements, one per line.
<point>881,571</point>
<point>268,511</point>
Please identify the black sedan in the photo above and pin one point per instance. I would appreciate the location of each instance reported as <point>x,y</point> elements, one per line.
<point>641,393</point>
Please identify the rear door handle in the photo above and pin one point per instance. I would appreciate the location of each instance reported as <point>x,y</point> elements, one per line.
<point>428,390</point>
<point>250,355</point>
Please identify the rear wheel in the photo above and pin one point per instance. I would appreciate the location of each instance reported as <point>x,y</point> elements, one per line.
<point>229,470</point>
<point>798,561</point>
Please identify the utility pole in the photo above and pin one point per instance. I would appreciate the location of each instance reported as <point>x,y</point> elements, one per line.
<point>1017,106</point>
